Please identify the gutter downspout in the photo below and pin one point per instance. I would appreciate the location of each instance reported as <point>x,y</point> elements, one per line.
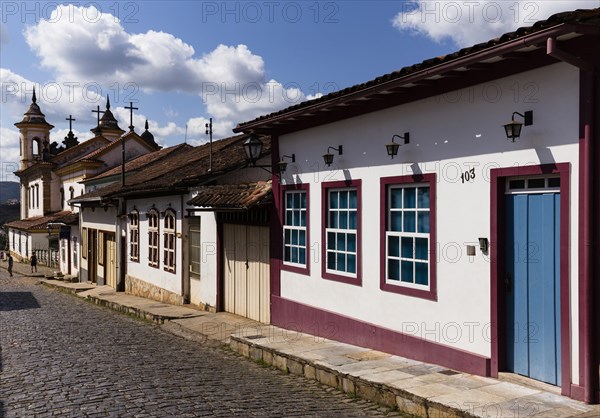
<point>588,364</point>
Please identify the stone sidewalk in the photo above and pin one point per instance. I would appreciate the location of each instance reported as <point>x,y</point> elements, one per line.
<point>413,387</point>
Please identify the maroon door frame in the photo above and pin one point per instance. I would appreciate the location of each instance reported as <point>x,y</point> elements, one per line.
<point>498,265</point>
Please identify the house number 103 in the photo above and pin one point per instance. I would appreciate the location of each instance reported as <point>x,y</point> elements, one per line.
<point>468,175</point>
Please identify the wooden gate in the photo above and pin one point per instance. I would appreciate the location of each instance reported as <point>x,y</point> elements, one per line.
<point>246,271</point>
<point>111,261</point>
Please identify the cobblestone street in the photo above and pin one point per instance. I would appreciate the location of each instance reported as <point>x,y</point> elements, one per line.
<point>62,356</point>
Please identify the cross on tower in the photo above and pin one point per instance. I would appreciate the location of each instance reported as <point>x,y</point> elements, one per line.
<point>71,119</point>
<point>98,111</point>
<point>131,109</point>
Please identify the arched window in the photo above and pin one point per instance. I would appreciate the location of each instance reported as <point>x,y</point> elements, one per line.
<point>153,238</point>
<point>134,236</point>
<point>71,194</point>
<point>36,146</point>
<point>169,240</point>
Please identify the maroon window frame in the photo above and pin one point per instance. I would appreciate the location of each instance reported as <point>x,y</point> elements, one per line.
<point>293,188</point>
<point>325,187</point>
<point>385,183</point>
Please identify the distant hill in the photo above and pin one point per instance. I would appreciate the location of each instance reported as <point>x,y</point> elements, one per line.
<point>9,190</point>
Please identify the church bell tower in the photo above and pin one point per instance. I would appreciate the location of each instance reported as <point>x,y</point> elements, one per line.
<point>33,132</point>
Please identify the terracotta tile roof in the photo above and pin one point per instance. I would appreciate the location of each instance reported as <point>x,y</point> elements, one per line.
<point>234,196</point>
<point>589,17</point>
<point>142,161</point>
<point>39,223</point>
<point>180,169</point>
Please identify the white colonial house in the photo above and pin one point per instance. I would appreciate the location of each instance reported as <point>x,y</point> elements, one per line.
<point>448,211</point>
<point>165,232</point>
<point>51,175</point>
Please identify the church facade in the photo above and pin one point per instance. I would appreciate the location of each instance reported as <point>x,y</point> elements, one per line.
<point>50,175</point>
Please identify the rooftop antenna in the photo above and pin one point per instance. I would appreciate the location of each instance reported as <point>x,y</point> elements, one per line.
<point>209,133</point>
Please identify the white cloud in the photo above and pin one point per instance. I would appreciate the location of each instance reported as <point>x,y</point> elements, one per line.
<point>229,79</point>
<point>466,23</point>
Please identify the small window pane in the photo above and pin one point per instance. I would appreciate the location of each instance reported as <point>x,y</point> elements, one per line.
<point>409,221</point>
<point>289,217</point>
<point>341,242</point>
<point>303,200</point>
<point>302,256</point>
<point>421,249</point>
<point>423,197</point>
<point>294,237</point>
<point>331,240</point>
<point>554,182</point>
<point>330,260</point>
<point>333,219</point>
<point>343,220</point>
<point>289,200</point>
<point>302,238</point>
<point>333,200</point>
<point>516,184</point>
<point>396,221</point>
<point>407,271</point>
<point>351,263</point>
<point>394,246</point>
<point>421,274</point>
<point>288,236</point>
<point>423,218</point>
<point>303,218</point>
<point>352,224</point>
<point>407,247</point>
<point>536,183</point>
<point>353,199</point>
<point>393,270</point>
<point>294,255</point>
<point>343,200</point>
<point>351,241</point>
<point>286,255</point>
<point>341,262</point>
<point>396,198</point>
<point>410,197</point>
<point>296,200</point>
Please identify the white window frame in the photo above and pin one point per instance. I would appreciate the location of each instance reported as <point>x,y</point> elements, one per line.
<point>134,236</point>
<point>295,212</point>
<point>338,230</point>
<point>169,242</point>
<point>153,244</point>
<point>411,235</point>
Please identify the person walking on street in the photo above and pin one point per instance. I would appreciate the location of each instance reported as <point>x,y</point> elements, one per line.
<point>10,264</point>
<point>33,262</point>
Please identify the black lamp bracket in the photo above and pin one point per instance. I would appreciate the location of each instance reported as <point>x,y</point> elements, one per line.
<point>406,137</point>
<point>339,149</point>
<point>527,116</point>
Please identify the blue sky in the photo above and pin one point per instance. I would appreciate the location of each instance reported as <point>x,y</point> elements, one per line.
<point>182,62</point>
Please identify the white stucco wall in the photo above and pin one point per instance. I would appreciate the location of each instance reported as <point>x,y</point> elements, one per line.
<point>171,281</point>
<point>449,135</point>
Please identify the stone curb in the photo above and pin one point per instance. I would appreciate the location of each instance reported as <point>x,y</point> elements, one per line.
<point>130,310</point>
<point>352,385</point>
<point>56,286</point>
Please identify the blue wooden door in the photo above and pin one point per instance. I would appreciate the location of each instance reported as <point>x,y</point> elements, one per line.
<point>533,285</point>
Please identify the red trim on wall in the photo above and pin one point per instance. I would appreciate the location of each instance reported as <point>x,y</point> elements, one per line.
<point>589,204</point>
<point>357,281</point>
<point>296,187</point>
<point>498,264</point>
<point>275,230</point>
<point>430,294</point>
<point>296,316</point>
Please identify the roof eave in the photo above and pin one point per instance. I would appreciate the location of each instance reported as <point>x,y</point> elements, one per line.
<point>533,39</point>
